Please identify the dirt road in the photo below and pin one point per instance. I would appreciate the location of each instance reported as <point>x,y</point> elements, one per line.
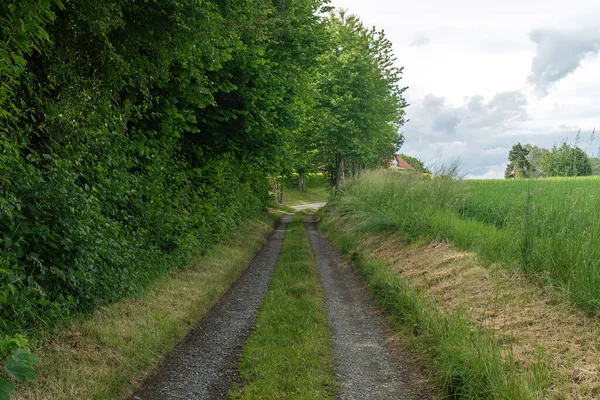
<point>364,366</point>
<point>310,206</point>
<point>203,366</point>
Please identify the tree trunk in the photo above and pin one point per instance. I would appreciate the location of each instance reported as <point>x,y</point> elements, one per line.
<point>301,182</point>
<point>280,193</point>
<point>338,173</point>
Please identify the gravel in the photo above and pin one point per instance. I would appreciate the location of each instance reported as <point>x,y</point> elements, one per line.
<point>309,206</point>
<point>203,365</point>
<point>363,363</point>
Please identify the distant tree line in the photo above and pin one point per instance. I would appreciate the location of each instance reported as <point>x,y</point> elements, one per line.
<point>136,133</point>
<point>530,161</point>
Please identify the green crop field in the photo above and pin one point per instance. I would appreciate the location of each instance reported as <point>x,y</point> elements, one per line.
<point>549,228</point>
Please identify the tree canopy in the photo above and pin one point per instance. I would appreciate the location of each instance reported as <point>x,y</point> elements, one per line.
<point>566,160</point>
<point>417,164</point>
<point>134,134</point>
<point>530,161</point>
<point>518,166</point>
<point>359,105</point>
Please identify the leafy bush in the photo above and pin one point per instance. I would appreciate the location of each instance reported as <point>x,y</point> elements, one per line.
<point>131,136</point>
<point>18,363</point>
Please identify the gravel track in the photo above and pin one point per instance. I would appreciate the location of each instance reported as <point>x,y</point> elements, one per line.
<point>203,365</point>
<point>309,206</point>
<point>363,363</point>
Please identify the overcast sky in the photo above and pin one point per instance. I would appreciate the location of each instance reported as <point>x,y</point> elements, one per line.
<point>484,75</point>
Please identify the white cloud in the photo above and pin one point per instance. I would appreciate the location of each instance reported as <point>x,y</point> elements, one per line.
<point>439,132</point>
<point>558,54</point>
<point>420,40</point>
<point>474,87</point>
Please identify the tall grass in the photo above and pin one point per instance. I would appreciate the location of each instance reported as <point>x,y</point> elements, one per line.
<point>550,228</point>
<point>470,362</point>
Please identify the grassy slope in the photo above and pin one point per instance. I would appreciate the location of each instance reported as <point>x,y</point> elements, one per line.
<point>469,360</point>
<point>289,354</point>
<point>103,357</point>
<point>548,228</point>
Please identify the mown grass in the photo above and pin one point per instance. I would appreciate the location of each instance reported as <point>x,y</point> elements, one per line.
<point>470,361</point>
<point>289,354</point>
<point>292,197</point>
<point>549,228</point>
<point>105,356</point>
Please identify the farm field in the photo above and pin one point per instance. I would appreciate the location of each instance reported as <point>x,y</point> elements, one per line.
<point>548,228</point>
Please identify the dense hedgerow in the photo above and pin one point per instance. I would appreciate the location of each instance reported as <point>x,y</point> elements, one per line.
<point>133,134</point>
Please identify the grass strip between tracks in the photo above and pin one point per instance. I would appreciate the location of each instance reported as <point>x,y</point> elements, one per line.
<point>289,354</point>
<point>470,361</point>
<point>105,355</point>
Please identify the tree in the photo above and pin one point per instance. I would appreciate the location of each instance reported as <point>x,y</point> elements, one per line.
<point>359,103</point>
<point>417,164</point>
<point>566,160</point>
<point>535,157</point>
<point>595,163</point>
<point>518,166</point>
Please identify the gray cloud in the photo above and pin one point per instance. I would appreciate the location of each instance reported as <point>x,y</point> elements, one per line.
<point>476,131</point>
<point>420,40</point>
<point>474,113</point>
<point>558,54</point>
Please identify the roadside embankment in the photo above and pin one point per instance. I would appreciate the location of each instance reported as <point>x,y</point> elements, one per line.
<point>105,355</point>
<point>487,331</point>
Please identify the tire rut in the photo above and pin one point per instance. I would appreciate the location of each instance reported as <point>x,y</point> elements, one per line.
<point>363,364</point>
<point>203,365</point>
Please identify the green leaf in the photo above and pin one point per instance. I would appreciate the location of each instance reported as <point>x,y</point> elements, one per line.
<point>21,372</point>
<point>6,387</point>
<point>20,365</point>
<point>60,4</point>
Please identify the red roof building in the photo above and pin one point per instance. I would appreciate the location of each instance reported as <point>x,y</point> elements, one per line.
<point>401,164</point>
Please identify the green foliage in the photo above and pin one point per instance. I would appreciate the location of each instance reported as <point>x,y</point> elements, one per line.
<point>566,160</point>
<point>18,363</point>
<point>535,156</point>
<point>519,165</point>
<point>359,103</point>
<point>135,134</point>
<point>595,164</point>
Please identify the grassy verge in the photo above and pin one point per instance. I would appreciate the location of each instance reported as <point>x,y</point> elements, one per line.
<point>293,197</point>
<point>104,357</point>
<point>470,360</point>
<point>289,354</point>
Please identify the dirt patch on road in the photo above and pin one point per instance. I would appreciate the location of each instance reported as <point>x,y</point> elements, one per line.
<point>532,323</point>
<point>371,362</point>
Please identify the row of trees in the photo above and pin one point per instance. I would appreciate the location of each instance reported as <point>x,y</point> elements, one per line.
<point>133,134</point>
<point>529,161</point>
